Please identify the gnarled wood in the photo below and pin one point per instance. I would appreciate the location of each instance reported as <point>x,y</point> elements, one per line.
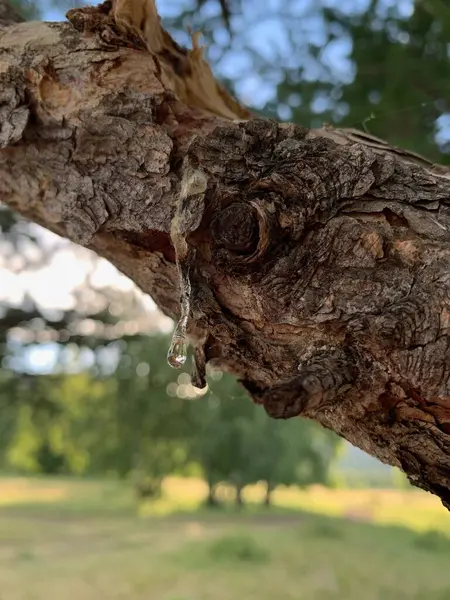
<point>319,260</point>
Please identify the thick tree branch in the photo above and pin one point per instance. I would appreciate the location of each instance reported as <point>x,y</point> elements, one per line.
<point>318,261</point>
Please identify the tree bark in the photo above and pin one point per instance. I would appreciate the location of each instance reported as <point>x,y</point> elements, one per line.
<point>239,498</point>
<point>318,260</point>
<point>268,495</point>
<point>211,501</point>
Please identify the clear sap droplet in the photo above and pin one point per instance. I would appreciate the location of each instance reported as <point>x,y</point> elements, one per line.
<point>177,355</point>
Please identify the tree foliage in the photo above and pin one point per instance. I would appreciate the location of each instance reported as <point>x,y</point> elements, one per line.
<point>239,444</point>
<point>143,423</point>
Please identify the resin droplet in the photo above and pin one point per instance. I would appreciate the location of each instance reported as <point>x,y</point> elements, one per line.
<point>177,355</point>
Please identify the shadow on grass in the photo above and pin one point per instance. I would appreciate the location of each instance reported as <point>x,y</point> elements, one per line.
<point>74,508</point>
<point>240,548</point>
<point>312,524</point>
<point>58,512</point>
<point>247,541</point>
<point>433,541</point>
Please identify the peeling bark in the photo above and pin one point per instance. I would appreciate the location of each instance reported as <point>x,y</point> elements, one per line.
<point>318,259</point>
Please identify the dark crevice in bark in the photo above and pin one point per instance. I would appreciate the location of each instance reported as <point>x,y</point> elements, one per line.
<point>150,241</point>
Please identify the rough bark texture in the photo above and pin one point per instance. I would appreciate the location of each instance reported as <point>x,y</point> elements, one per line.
<point>318,260</point>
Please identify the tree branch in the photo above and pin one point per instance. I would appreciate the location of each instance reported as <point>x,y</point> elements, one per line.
<point>315,263</point>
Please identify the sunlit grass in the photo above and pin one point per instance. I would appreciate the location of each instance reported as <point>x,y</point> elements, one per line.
<point>66,495</point>
<point>411,508</point>
<point>63,539</point>
<point>20,490</point>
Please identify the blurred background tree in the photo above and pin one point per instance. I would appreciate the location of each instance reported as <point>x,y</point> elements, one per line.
<point>84,387</point>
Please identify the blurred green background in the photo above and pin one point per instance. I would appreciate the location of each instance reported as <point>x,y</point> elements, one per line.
<point>118,479</point>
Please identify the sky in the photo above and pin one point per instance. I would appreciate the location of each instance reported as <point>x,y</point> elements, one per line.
<point>67,268</point>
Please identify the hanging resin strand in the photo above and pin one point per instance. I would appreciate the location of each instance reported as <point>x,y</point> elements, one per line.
<point>177,354</point>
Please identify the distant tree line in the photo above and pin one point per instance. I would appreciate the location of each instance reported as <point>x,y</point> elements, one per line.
<point>143,422</point>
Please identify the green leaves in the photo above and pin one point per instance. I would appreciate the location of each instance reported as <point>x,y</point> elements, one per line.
<point>238,443</point>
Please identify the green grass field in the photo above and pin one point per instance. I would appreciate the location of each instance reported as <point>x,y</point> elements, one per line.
<point>86,540</point>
